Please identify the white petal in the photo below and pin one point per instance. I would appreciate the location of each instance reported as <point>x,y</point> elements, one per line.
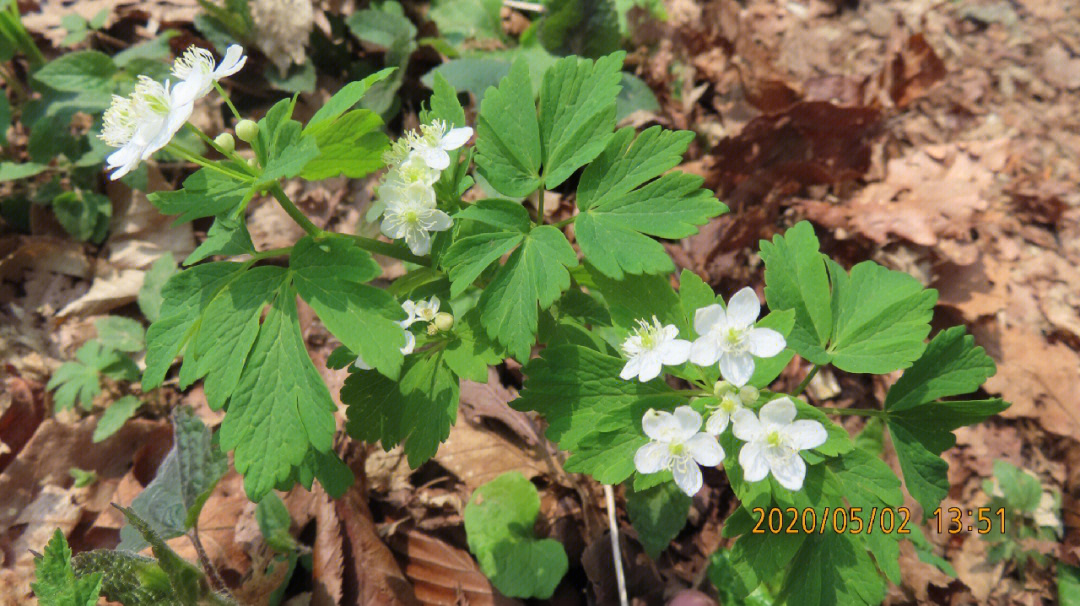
<point>232,62</point>
<point>419,241</point>
<point>410,308</point>
<point>437,220</point>
<point>737,368</point>
<point>717,422</point>
<point>410,343</point>
<point>789,471</point>
<point>806,434</point>
<point>660,425</point>
<point>705,450</point>
<point>705,351</point>
<point>689,423</point>
<point>746,426</point>
<point>433,304</point>
<point>650,367</point>
<point>743,308</point>
<point>709,317</point>
<point>687,475</point>
<point>124,160</point>
<point>456,138</point>
<point>675,352</point>
<point>434,157</point>
<point>780,411</point>
<point>753,463</point>
<point>765,342</point>
<point>632,368</point>
<point>652,457</point>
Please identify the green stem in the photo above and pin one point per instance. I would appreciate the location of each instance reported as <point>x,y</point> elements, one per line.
<point>692,392</point>
<point>228,100</point>
<point>861,412</point>
<point>294,212</point>
<point>197,159</point>
<point>806,381</point>
<point>565,222</point>
<point>274,252</point>
<point>539,206</point>
<point>386,249</point>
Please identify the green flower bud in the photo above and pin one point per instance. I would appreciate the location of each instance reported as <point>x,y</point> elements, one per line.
<point>722,388</point>
<point>247,130</point>
<point>253,163</point>
<point>226,142</point>
<point>444,321</point>
<point>748,394</point>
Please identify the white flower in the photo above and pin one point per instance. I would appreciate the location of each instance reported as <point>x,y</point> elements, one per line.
<point>731,338</point>
<point>411,214</point>
<point>410,339</point>
<point>411,170</point>
<point>421,311</point>
<point>282,30</point>
<point>650,347</point>
<point>719,419</point>
<point>197,71</point>
<point>676,444</point>
<point>434,141</point>
<point>141,124</point>
<point>773,442</point>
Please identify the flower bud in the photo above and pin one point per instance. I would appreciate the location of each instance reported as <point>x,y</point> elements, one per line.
<point>253,163</point>
<point>444,321</point>
<point>226,142</point>
<point>722,388</point>
<point>247,130</point>
<point>748,394</point>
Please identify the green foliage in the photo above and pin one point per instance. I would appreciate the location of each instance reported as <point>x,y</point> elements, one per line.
<point>658,514</point>
<point>508,151</point>
<point>171,503</point>
<point>56,583</point>
<point>1068,585</point>
<point>274,522</point>
<point>83,214</point>
<point>150,298</point>
<point>499,523</point>
<point>80,379</point>
<point>115,416</point>
<point>79,72</point>
<point>582,27</point>
<point>1029,513</point>
<point>121,334</point>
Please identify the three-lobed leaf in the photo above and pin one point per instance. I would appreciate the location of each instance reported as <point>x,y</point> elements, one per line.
<point>508,150</point>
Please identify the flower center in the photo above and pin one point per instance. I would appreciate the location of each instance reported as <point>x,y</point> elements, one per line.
<point>411,216</point>
<point>734,337</point>
<point>774,438</point>
<point>649,333</point>
<point>433,133</point>
<point>728,404</point>
<point>676,448</point>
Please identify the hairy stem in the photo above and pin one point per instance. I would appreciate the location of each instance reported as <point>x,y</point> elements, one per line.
<point>204,559</point>
<point>274,252</point>
<point>294,212</point>
<point>387,249</point>
<point>860,412</point>
<point>616,550</point>
<point>203,162</point>
<point>806,381</point>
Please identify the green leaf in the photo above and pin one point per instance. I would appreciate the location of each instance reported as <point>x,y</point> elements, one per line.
<point>298,78</point>
<point>78,380</point>
<point>13,171</point>
<point>5,118</point>
<point>227,236</point>
<point>78,72</point>
<point>115,416</point>
<point>508,151</point>
<point>473,75</point>
<point>534,274</point>
<point>351,145</point>
<point>294,157</point>
<point>346,97</point>
<point>470,352</point>
<point>381,27</point>
<point>83,214</point>
<point>658,514</point>
<point>468,257</point>
<point>577,113</point>
<point>206,193</point>
<point>881,318</point>
<point>831,568</point>
<point>1068,585</point>
<point>121,334</point>
<point>590,410</point>
<point>150,299</point>
<point>505,215</point>
<point>461,20</point>
<point>921,428</point>
<point>274,523</point>
<point>382,410</point>
<point>444,102</point>
<point>56,583</point>
<point>171,503</point>
<point>129,579</point>
<point>329,275</point>
<point>499,522</point>
<point>795,278</point>
<point>1022,490</point>
<point>281,408</point>
<point>637,297</point>
<point>612,210</point>
<point>187,581</point>
<point>580,27</point>
<point>82,478</point>
<point>635,96</point>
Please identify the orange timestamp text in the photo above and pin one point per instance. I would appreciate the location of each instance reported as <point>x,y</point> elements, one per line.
<point>841,520</point>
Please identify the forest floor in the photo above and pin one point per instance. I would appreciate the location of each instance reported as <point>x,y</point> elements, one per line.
<point>937,137</point>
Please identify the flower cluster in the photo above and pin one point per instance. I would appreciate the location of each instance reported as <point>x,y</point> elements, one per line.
<point>406,196</point>
<point>418,311</point>
<point>145,121</point>
<point>727,337</point>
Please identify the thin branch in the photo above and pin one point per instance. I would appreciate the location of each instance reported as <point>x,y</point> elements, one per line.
<point>616,550</point>
<point>204,559</point>
<point>806,381</point>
